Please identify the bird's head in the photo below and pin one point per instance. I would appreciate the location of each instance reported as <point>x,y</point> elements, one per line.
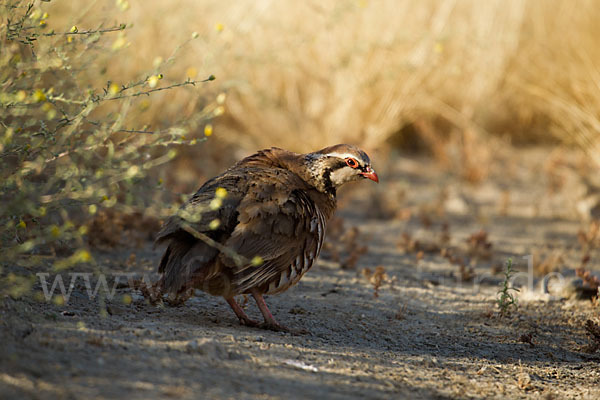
<point>333,166</point>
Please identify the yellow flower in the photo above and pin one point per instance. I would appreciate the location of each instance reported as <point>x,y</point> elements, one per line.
<point>256,261</point>
<point>219,27</point>
<point>83,256</point>
<point>221,193</point>
<point>153,81</point>
<point>55,231</point>
<point>216,203</point>
<point>22,224</point>
<point>114,89</point>
<point>39,96</point>
<point>74,29</point>
<point>214,224</point>
<point>120,42</point>
<point>144,105</point>
<point>123,5</point>
<point>208,130</point>
<point>191,72</point>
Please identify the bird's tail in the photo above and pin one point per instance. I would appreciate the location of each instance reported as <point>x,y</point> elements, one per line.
<point>185,264</point>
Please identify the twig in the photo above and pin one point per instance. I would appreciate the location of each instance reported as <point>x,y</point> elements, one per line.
<point>238,259</point>
<point>88,32</point>
<point>147,92</point>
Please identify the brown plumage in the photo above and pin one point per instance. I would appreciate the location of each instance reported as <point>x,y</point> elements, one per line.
<point>258,227</point>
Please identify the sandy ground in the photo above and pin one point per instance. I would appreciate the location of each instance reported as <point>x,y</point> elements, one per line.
<point>430,330</point>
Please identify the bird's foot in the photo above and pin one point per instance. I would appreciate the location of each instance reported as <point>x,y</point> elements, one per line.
<point>273,326</point>
<point>270,322</point>
<point>244,319</point>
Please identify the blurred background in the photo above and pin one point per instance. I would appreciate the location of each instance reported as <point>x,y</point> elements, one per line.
<point>462,105</point>
<point>452,79</point>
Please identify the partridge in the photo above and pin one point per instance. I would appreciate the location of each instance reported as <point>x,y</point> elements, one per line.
<point>258,227</point>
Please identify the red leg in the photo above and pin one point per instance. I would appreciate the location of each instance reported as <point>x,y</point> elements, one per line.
<point>244,319</point>
<point>270,322</point>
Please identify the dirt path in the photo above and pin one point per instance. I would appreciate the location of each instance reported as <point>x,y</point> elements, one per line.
<point>433,331</point>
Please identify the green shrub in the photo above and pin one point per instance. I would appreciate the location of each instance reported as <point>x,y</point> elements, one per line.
<point>68,146</point>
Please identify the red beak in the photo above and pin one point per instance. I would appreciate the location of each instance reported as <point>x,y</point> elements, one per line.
<point>370,174</point>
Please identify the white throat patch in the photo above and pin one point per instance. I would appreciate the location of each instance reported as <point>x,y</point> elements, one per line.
<point>343,175</point>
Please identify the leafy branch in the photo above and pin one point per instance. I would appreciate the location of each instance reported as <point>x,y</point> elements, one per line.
<point>69,154</point>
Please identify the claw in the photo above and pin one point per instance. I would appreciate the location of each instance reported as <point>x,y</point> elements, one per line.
<point>249,322</point>
<point>276,327</point>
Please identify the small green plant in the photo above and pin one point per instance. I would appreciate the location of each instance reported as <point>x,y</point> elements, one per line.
<point>506,296</point>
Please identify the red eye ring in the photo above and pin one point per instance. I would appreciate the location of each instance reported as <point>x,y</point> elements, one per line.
<point>351,162</point>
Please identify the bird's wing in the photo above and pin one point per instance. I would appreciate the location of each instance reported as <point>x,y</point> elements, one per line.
<point>208,211</point>
<point>187,258</point>
<point>278,222</point>
<point>201,210</point>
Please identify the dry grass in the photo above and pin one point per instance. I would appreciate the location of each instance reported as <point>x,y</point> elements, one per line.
<point>302,74</point>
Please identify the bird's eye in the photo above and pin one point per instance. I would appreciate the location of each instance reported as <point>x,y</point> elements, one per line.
<point>351,162</point>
